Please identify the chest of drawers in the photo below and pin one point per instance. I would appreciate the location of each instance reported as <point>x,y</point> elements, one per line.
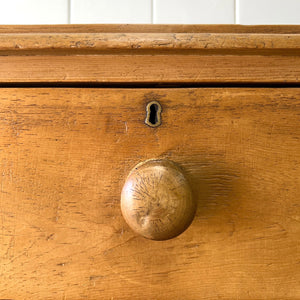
<point>73,105</point>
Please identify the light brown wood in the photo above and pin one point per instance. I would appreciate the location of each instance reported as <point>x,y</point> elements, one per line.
<point>150,28</point>
<point>128,54</point>
<point>81,43</point>
<point>65,155</point>
<point>147,69</point>
<point>156,200</point>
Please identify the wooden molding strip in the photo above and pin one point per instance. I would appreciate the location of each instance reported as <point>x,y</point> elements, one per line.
<point>150,28</point>
<point>136,54</point>
<point>136,69</point>
<point>85,43</point>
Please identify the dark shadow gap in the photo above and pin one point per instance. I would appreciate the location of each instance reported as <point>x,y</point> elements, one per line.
<point>137,85</point>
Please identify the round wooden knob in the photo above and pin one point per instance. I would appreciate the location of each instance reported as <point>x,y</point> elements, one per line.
<point>157,200</point>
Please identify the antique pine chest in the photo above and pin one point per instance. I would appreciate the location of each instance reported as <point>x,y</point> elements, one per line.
<point>150,162</point>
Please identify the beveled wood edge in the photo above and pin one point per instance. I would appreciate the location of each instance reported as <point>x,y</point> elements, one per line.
<point>149,43</point>
<point>151,28</point>
<point>143,54</point>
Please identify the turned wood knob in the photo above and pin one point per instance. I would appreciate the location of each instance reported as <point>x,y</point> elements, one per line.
<point>157,200</point>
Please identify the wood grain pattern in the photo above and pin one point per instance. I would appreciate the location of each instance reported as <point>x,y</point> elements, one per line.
<point>149,69</point>
<point>80,43</point>
<point>65,154</point>
<point>154,54</point>
<point>156,200</point>
<point>149,28</point>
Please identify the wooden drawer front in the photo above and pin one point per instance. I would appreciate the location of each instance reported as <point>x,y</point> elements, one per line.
<point>65,154</point>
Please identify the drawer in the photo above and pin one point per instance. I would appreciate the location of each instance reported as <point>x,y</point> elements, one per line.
<point>66,152</point>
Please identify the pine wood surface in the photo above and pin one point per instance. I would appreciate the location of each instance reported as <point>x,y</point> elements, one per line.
<point>37,43</point>
<point>65,155</point>
<point>150,28</point>
<point>131,54</point>
<point>157,200</point>
<point>148,69</point>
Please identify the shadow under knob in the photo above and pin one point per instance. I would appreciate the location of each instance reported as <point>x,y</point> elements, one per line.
<point>157,200</point>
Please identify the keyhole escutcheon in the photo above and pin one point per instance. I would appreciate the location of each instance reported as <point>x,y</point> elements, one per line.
<point>153,114</point>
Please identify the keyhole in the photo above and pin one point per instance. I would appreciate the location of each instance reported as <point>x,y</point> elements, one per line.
<point>153,117</point>
<point>153,114</point>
